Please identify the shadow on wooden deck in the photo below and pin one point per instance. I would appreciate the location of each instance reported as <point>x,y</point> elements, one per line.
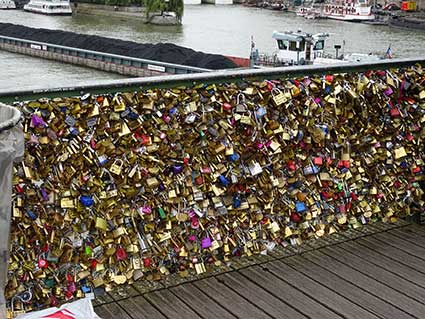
<point>377,271</point>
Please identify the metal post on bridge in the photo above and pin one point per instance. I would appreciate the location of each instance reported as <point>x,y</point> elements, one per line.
<point>11,149</point>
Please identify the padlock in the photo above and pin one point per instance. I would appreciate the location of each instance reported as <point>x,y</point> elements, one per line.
<point>116,168</point>
<point>279,97</point>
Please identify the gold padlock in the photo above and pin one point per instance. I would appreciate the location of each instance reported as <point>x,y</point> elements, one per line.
<point>115,168</point>
<point>278,97</point>
<point>101,224</point>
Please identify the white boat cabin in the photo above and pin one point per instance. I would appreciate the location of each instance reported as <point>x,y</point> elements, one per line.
<point>49,7</point>
<point>7,4</point>
<point>299,47</point>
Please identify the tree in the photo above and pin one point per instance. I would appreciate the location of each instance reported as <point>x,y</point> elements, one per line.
<point>176,6</point>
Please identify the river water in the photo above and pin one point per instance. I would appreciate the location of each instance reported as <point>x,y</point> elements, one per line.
<point>209,28</point>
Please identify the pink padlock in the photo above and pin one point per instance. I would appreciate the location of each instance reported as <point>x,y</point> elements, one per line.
<point>206,242</point>
<point>146,209</point>
<point>166,118</point>
<point>259,145</point>
<point>318,160</point>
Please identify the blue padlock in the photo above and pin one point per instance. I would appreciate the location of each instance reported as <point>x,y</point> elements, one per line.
<point>223,180</point>
<point>234,157</point>
<point>310,170</point>
<point>74,131</point>
<point>260,112</point>
<point>300,207</point>
<point>327,90</point>
<point>236,201</point>
<point>133,115</point>
<point>85,289</point>
<point>32,215</point>
<point>87,201</point>
<point>173,111</point>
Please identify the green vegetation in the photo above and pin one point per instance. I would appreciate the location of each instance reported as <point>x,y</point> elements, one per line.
<point>153,7</point>
<point>161,6</point>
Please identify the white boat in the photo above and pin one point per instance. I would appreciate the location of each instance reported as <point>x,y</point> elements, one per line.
<point>303,11</point>
<point>49,7</point>
<point>7,4</point>
<point>294,48</point>
<point>349,58</point>
<point>300,48</point>
<point>348,10</point>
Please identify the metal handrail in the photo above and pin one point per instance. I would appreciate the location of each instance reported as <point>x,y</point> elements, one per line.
<point>135,84</point>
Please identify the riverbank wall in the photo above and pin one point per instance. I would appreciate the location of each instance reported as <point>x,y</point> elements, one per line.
<point>36,51</point>
<point>124,12</point>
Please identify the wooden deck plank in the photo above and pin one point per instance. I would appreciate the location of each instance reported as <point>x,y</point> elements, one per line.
<point>287,293</point>
<point>362,298</point>
<point>402,244</point>
<point>229,299</point>
<point>377,273</point>
<point>316,291</point>
<point>261,298</point>
<point>394,253</point>
<point>385,262</point>
<point>195,298</point>
<point>169,305</point>
<point>101,297</point>
<point>409,235</point>
<point>416,229</point>
<point>111,310</point>
<point>397,299</point>
<point>139,308</point>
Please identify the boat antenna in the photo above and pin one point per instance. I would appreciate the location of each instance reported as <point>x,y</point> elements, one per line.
<point>252,56</point>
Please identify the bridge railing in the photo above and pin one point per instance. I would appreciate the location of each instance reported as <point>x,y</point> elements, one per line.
<point>181,173</point>
<point>134,84</point>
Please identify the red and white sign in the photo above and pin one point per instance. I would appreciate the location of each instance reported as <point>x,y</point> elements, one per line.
<point>81,309</point>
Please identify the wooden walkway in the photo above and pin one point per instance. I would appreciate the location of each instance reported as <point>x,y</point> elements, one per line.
<point>374,272</point>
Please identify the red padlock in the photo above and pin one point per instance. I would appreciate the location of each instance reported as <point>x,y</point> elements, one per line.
<point>394,112</point>
<point>227,107</point>
<point>147,262</point>
<point>409,137</point>
<point>329,78</point>
<point>120,254</point>
<point>318,160</point>
<point>295,217</point>
<point>93,264</point>
<point>42,263</point>
<point>416,169</point>
<point>291,166</point>
<point>69,278</point>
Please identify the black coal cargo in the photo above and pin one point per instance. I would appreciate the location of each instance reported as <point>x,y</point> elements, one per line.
<point>164,52</point>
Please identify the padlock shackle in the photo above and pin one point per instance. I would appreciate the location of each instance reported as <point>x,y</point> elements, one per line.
<point>238,101</point>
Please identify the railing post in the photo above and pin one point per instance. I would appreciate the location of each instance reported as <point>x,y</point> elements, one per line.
<point>11,149</point>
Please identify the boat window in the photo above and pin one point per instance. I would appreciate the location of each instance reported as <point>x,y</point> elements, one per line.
<point>293,46</point>
<point>319,45</point>
<point>283,45</point>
